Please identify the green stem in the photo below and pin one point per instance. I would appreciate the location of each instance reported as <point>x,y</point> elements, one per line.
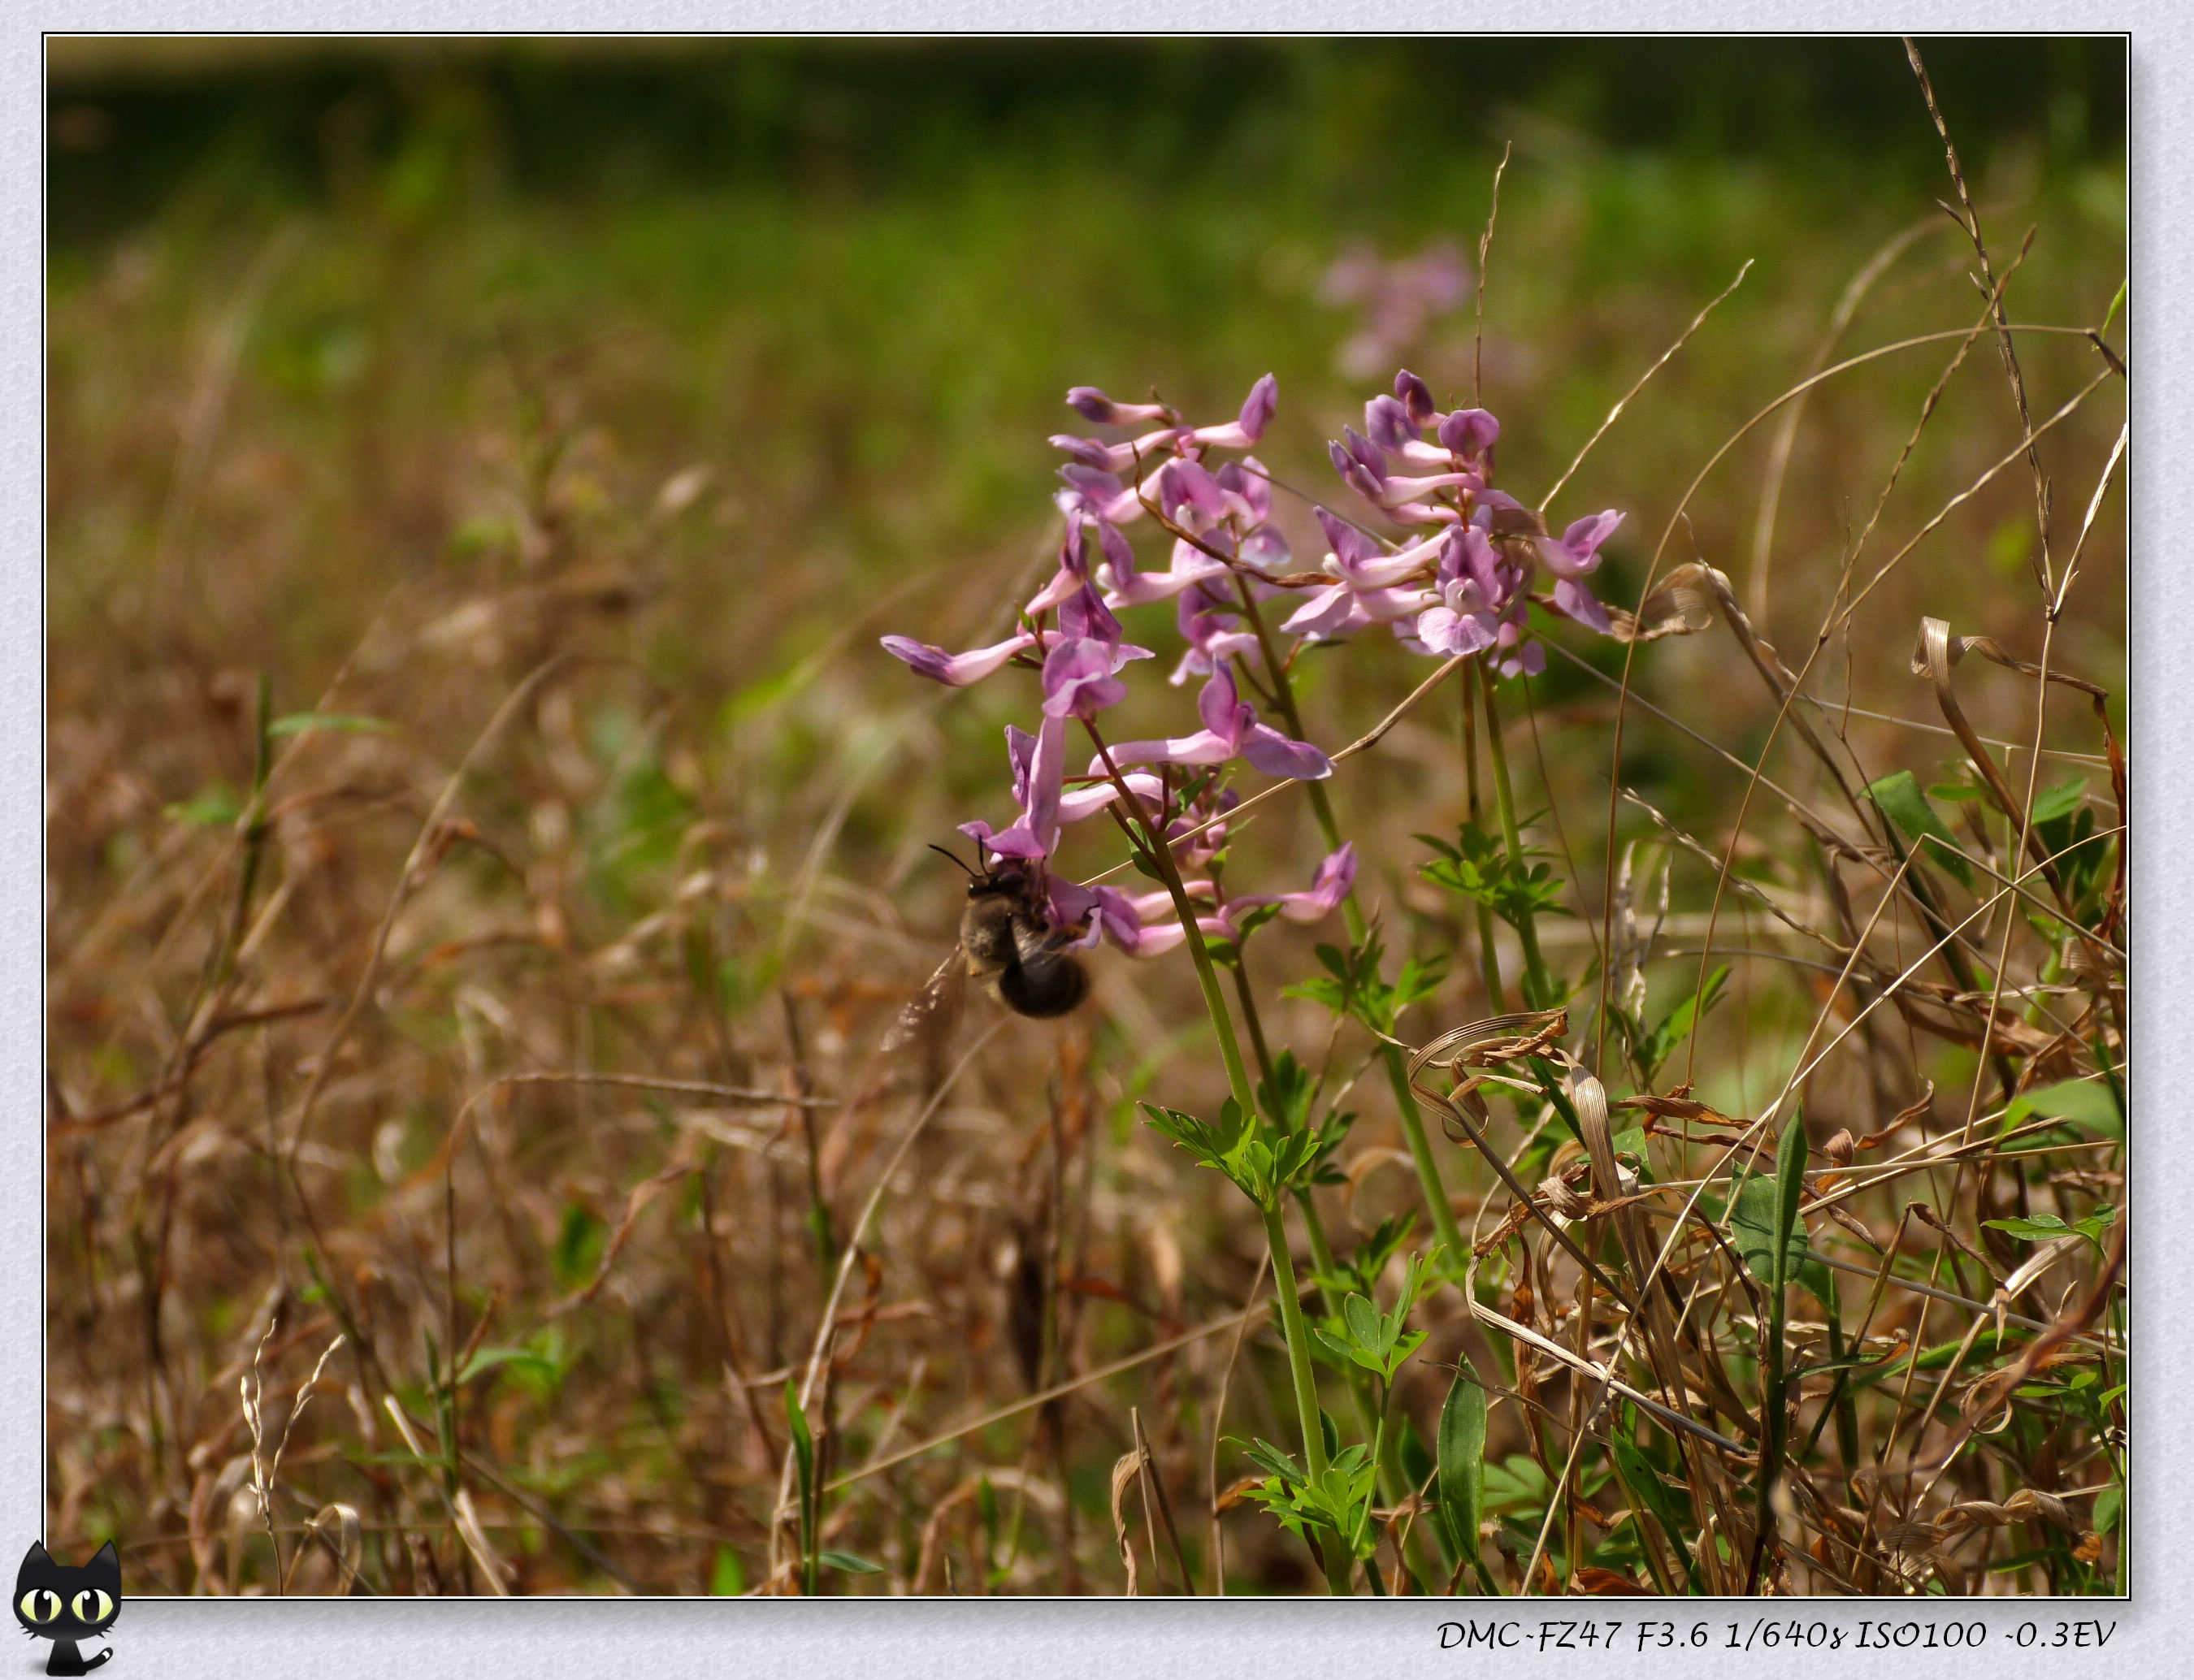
<point>1258,1047</point>
<point>1488,960</point>
<point>1393,1483</point>
<point>1161,856</point>
<point>1540,988</point>
<point>1398,1073</point>
<point>1378,1446</point>
<point>1238,1079</point>
<point>1774,1424</point>
<point>1305,1386</point>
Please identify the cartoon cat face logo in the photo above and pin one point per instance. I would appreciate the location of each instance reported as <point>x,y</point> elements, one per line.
<point>55,1602</point>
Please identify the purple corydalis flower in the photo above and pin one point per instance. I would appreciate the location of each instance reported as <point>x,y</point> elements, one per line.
<point>1394,427</point>
<point>1357,559</point>
<point>1478,590</point>
<point>1117,457</point>
<point>1334,879</point>
<point>1038,764</point>
<point>1469,433</point>
<point>1079,680</point>
<point>1364,594</point>
<point>1079,672</point>
<point>1097,493</point>
<point>1416,397</point>
<point>1212,627</point>
<point>955,670</point>
<point>1247,490</point>
<point>1188,494</point>
<point>1230,731</point>
<point>1256,414</point>
<point>1126,587</point>
<point>1073,573</point>
<point>1362,464</point>
<point>1093,404</point>
<point>1570,559</point>
<point>1195,844</point>
<point>1123,920</point>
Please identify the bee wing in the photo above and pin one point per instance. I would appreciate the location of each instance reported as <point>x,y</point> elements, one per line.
<point>930,1014</point>
<point>1037,942</point>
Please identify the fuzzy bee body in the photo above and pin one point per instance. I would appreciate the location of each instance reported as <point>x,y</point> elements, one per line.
<point>1010,943</point>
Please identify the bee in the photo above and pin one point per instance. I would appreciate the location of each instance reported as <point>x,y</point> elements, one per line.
<point>1008,940</point>
<point>1012,944</point>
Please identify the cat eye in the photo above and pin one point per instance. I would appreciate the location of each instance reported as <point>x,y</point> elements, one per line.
<point>40,1605</point>
<point>80,1604</point>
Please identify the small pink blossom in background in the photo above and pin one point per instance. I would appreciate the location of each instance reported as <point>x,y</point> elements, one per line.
<point>1398,297</point>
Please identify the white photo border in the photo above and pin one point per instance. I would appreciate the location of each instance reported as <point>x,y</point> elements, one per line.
<point>1204,1640</point>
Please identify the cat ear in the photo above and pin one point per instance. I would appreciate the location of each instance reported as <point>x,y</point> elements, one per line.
<point>37,1554</point>
<point>106,1561</point>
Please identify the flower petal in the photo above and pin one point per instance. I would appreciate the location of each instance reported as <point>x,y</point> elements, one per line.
<point>1091,404</point>
<point>1580,604</point>
<point>1273,752</point>
<point>955,670</point>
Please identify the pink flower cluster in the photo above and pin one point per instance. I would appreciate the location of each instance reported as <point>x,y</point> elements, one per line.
<point>1463,585</point>
<point>1459,586</point>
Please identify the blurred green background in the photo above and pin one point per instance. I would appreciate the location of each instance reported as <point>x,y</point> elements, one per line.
<point>326,319</point>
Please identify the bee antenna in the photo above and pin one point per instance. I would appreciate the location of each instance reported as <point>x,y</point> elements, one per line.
<point>954,855</point>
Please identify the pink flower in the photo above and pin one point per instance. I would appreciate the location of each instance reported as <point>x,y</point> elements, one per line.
<point>955,670</point>
<point>1212,627</point>
<point>1230,731</point>
<point>1256,414</point>
<point>1079,677</point>
<point>1126,587</point>
<point>1091,404</point>
<point>1335,879</point>
<point>1038,766</point>
<point>1576,555</point>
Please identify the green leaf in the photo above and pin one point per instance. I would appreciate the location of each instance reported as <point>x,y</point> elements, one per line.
<point>1267,1457</point>
<point>2040,1228</point>
<point>803,1442</point>
<point>1419,980</point>
<point>2055,804</point>
<point>1460,1455</point>
<point>1901,800</point>
<point>1477,865</point>
<point>851,1564</point>
<point>2090,1106</point>
<point>728,1579</point>
<point>1645,1485</point>
<point>1364,1324</point>
<point>1789,1190</point>
<point>1516,1482</point>
<point>304,723</point>
<point>487,1359</point>
<point>2047,1227</point>
<point>1656,1047</point>
<point>1286,1096</point>
<point>1752,1220</point>
<point>214,806</point>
